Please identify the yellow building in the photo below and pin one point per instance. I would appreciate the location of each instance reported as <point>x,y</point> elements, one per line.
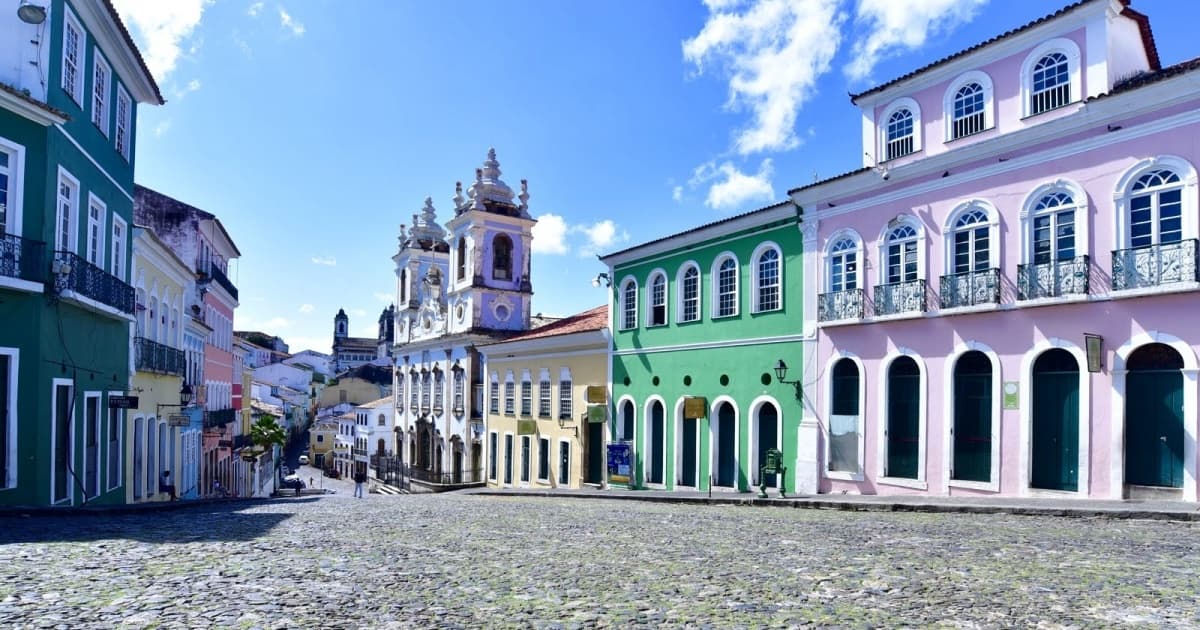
<point>321,439</point>
<point>538,433</point>
<point>160,434</point>
<point>357,386</point>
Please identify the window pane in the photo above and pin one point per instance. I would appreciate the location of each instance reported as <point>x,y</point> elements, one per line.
<point>1141,231</point>
<point>1170,228</point>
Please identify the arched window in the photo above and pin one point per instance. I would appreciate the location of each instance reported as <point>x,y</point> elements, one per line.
<point>629,305</point>
<point>1054,236</point>
<point>502,247</point>
<point>845,414</point>
<point>968,115</point>
<point>462,258</point>
<point>1155,209</point>
<point>1158,225</point>
<point>970,242</point>
<point>1051,83</point>
<point>689,294</point>
<point>902,274</point>
<point>403,286</point>
<point>656,296</point>
<point>842,297</point>
<point>902,260</point>
<point>899,134</point>
<point>725,289</point>
<point>843,266</point>
<point>1054,228</point>
<point>767,280</point>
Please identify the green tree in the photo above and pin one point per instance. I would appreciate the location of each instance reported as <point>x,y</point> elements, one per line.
<point>266,433</point>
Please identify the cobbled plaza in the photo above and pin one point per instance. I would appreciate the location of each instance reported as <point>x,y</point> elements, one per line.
<point>462,561</point>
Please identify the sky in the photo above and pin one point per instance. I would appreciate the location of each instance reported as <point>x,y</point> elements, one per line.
<point>315,128</point>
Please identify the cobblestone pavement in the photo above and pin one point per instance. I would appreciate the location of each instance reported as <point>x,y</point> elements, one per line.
<point>469,561</point>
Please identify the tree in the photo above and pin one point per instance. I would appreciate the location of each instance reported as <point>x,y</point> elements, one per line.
<point>266,433</point>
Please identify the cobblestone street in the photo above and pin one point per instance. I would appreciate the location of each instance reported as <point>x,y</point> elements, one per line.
<point>468,561</point>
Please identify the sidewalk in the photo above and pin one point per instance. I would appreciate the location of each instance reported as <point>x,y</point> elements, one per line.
<point>1076,508</point>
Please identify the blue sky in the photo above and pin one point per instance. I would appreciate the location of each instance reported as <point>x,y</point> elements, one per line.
<point>314,128</point>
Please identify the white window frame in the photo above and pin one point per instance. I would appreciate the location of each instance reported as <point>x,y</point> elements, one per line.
<point>755,288</point>
<point>716,285</point>
<point>100,92</point>
<point>827,260</point>
<point>75,91</point>
<point>117,262</point>
<point>526,407</point>
<point>680,293</point>
<point>101,445</point>
<point>14,366</point>
<point>657,275</point>
<point>54,385</point>
<point>510,404</point>
<point>1083,233</point>
<point>1123,194</point>
<point>913,222</point>
<point>989,106</point>
<point>566,394</point>
<point>885,366</point>
<point>1070,50</point>
<point>16,184</point>
<point>543,441</point>
<point>494,393</point>
<point>569,465</point>
<point>545,394</point>
<point>629,304</point>
<point>98,224</point>
<point>846,475</point>
<point>65,177</point>
<point>123,139</point>
<point>949,230</point>
<point>893,107</point>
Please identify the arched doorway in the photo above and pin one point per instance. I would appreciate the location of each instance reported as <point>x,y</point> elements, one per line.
<point>903,419</point>
<point>626,429</point>
<point>724,441</point>
<point>689,450</point>
<point>972,439</point>
<point>456,458</point>
<point>844,418</point>
<point>766,436</point>
<point>425,446</point>
<point>656,441</point>
<point>1154,417</point>
<point>1054,423</point>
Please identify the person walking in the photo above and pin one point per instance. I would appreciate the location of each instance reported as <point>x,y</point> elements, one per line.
<point>165,485</point>
<point>360,478</point>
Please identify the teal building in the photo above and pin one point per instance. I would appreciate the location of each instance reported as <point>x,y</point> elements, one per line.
<point>70,83</point>
<point>700,320</point>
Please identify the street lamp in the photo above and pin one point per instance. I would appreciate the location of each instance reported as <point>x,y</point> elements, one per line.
<point>600,279</point>
<point>781,369</point>
<point>185,399</point>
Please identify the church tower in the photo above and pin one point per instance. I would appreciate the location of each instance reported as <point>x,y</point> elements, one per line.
<point>421,261</point>
<point>491,234</point>
<point>341,326</point>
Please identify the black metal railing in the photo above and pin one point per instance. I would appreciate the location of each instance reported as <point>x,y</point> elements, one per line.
<point>151,356</point>
<point>219,417</point>
<point>900,297</point>
<point>242,441</point>
<point>73,273</point>
<point>445,478</point>
<point>22,258</point>
<point>1154,265</point>
<point>971,288</point>
<point>221,279</point>
<point>1054,278</point>
<point>358,452</point>
<point>837,305</point>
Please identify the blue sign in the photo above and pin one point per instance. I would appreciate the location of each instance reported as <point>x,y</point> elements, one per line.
<point>619,468</point>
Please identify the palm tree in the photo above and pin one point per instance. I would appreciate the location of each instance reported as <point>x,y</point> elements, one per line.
<point>266,433</point>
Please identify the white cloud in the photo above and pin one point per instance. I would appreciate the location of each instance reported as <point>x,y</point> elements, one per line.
<point>550,235</point>
<point>730,187</point>
<point>307,308</point>
<point>897,26</point>
<point>773,52</point>
<point>386,298</point>
<point>288,22</point>
<point>601,236</point>
<point>192,86</point>
<point>254,9</point>
<point>162,128</point>
<point>161,29</point>
<point>677,194</point>
<point>328,261</point>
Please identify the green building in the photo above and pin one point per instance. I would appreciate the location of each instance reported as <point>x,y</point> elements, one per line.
<point>69,89</point>
<point>700,321</point>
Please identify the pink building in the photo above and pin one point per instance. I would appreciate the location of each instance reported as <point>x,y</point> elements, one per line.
<point>1001,295</point>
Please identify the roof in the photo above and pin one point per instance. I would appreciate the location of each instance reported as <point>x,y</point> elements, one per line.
<point>377,374</point>
<point>735,217</point>
<point>266,408</point>
<point>1141,19</point>
<point>33,101</point>
<point>1146,78</point>
<point>116,17</point>
<point>589,320</point>
<point>375,404</point>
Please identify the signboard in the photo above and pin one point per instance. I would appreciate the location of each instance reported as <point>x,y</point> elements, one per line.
<point>597,413</point>
<point>122,402</point>
<point>695,407</point>
<point>619,469</point>
<point>526,427</point>
<point>1011,400</point>
<point>225,444</point>
<point>1094,354</point>
<point>178,420</point>
<point>597,394</point>
<point>249,456</point>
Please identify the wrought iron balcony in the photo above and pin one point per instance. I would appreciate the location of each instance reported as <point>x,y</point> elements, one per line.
<point>1154,265</point>
<point>22,258</point>
<point>1055,278</point>
<point>359,452</point>
<point>219,417</point>
<point>837,305</point>
<point>151,356</point>
<point>73,273</point>
<point>221,279</point>
<point>971,288</point>
<point>242,441</point>
<point>900,297</point>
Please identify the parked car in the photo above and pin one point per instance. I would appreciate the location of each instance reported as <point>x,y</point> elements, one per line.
<point>293,482</point>
<point>303,460</point>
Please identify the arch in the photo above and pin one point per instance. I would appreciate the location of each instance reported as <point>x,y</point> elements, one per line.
<point>994,416</point>
<point>885,397</point>
<point>656,298</point>
<point>1062,185</point>
<point>1026,428</point>
<point>985,83</point>
<point>895,228</point>
<point>629,302</point>
<point>726,271</point>
<point>687,449</point>
<point>842,428</point>
<point>966,216</point>
<point>1120,371</point>
<point>766,285</point>
<point>762,427</point>
<point>139,456</point>
<point>902,103</point>
<point>151,458</point>
<point>843,261</point>
<point>724,448</point>
<point>626,419</point>
<point>502,257</point>
<point>1123,192</point>
<point>654,464</point>
<point>689,293</point>
<point>1070,50</point>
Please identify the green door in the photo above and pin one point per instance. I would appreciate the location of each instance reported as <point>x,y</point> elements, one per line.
<point>1154,417</point>
<point>768,438</point>
<point>1055,423</point>
<point>972,430</point>
<point>903,422</point>
<point>656,442</point>
<point>688,456</point>
<point>595,452</point>
<point>726,460</point>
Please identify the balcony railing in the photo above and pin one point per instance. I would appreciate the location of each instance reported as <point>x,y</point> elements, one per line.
<point>971,288</point>
<point>837,305</point>
<point>1054,278</point>
<point>242,441</point>
<point>22,258</point>
<point>73,273</point>
<point>151,356</point>
<point>222,279</point>
<point>900,297</point>
<point>219,417</point>
<point>444,478</point>
<point>1154,265</point>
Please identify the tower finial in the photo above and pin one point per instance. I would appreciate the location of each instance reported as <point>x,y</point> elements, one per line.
<point>478,189</point>
<point>524,197</point>
<point>403,236</point>
<point>458,198</point>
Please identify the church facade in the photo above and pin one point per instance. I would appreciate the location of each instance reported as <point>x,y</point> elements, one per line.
<point>351,352</point>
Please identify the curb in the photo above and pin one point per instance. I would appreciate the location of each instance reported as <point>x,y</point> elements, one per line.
<point>136,508</point>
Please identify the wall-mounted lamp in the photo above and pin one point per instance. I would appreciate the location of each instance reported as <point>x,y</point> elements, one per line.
<point>185,398</point>
<point>31,13</point>
<point>781,369</point>
<point>602,278</point>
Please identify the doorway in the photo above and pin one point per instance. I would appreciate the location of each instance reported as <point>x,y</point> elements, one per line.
<point>1154,417</point>
<point>1054,425</point>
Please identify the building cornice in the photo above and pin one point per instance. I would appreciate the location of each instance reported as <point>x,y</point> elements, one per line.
<point>774,212</point>
<point>587,339</point>
<point>41,114</point>
<point>103,23</point>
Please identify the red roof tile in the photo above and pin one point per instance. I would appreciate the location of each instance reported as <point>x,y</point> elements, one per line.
<point>594,319</point>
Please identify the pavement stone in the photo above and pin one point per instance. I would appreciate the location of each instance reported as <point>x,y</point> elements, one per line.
<point>469,561</point>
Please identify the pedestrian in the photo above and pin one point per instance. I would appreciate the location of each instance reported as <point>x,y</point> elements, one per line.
<point>310,482</point>
<point>359,479</point>
<point>217,490</point>
<point>165,485</point>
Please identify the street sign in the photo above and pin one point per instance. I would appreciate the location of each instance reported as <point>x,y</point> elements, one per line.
<point>526,427</point>
<point>695,407</point>
<point>597,413</point>
<point>597,394</point>
<point>178,420</point>
<point>122,402</point>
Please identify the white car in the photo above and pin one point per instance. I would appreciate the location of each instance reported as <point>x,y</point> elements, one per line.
<point>303,460</point>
